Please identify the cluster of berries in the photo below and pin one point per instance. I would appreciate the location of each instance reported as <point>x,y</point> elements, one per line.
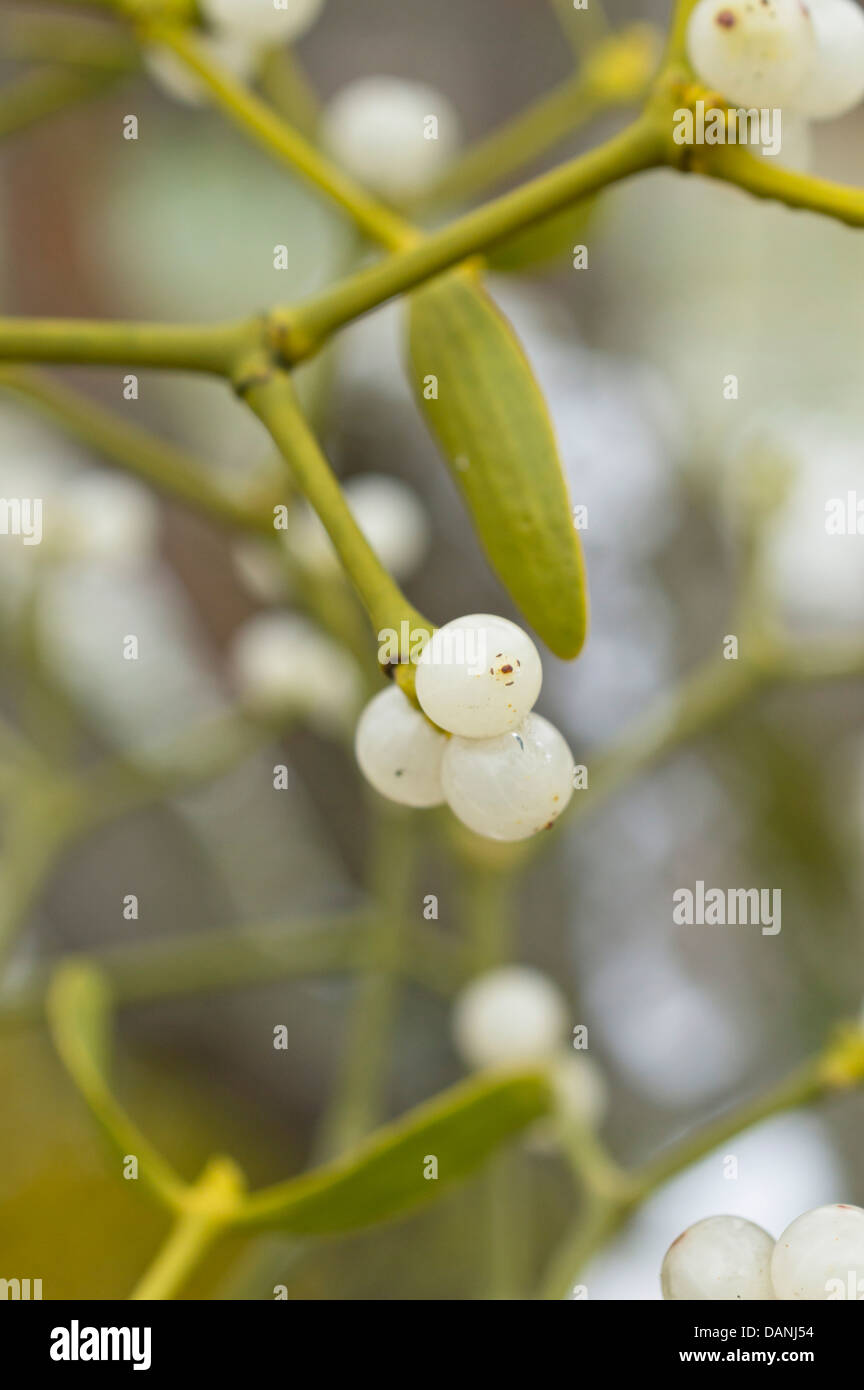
<point>819,1257</point>
<point>804,57</point>
<point>474,743</point>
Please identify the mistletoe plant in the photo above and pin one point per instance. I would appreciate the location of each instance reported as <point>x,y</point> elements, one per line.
<point>456,723</point>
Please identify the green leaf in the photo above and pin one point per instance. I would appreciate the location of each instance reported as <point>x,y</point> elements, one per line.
<point>547,245</point>
<point>384,1177</point>
<point>493,426</point>
<point>79,1011</point>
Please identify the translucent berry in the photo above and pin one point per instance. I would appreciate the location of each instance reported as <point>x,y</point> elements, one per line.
<point>479,676</point>
<point>509,787</point>
<point>284,666</point>
<point>754,54</point>
<point>394,136</point>
<point>264,21</point>
<point>398,750</point>
<point>821,1256</point>
<point>720,1259</point>
<point>836,82</point>
<point>509,1016</point>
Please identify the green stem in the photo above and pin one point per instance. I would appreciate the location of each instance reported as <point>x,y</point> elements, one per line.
<point>40,826</point>
<point>595,1226</point>
<point>359,1096</point>
<point>489,161</point>
<point>270,394</point>
<point>507,1229</point>
<point>207,1211</point>
<point>703,700</point>
<point>304,327</point>
<point>166,467</point>
<point>581,28</point>
<point>616,73</point>
<point>265,126</point>
<point>738,166</point>
<point>209,348</point>
<point>206,962</point>
<point>801,1087</point>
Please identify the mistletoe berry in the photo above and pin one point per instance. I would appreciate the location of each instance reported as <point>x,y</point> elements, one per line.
<point>754,54</point>
<point>722,1258</point>
<point>511,786</point>
<point>284,666</point>
<point>394,136</point>
<point>398,750</point>
<point>821,1255</point>
<point>509,1016</point>
<point>478,676</point>
<point>836,82</point>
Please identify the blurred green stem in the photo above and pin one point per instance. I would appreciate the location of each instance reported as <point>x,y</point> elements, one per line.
<point>168,468</point>
<point>617,74</point>
<point>243,957</point>
<point>581,27</point>
<point>274,134</point>
<point>358,1097</point>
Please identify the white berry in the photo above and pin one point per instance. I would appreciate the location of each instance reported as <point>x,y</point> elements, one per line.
<point>394,136</point>
<point>398,750</point>
<point>238,55</point>
<point>821,1256</point>
<point>508,1017</point>
<point>265,21</point>
<point>720,1259</point>
<point>104,517</point>
<point>389,514</point>
<point>509,787</point>
<point>283,666</point>
<point>754,54</point>
<point>479,676</point>
<point>836,82</point>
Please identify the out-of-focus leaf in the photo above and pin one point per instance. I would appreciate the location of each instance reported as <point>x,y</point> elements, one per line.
<point>479,396</point>
<point>78,1008</point>
<point>386,1176</point>
<point>546,245</point>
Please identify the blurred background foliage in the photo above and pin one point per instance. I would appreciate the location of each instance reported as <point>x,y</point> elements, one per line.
<point>686,282</point>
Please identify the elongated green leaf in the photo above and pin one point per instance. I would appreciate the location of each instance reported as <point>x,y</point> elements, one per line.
<point>478,394</point>
<point>547,245</point>
<point>390,1174</point>
<point>78,1007</point>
